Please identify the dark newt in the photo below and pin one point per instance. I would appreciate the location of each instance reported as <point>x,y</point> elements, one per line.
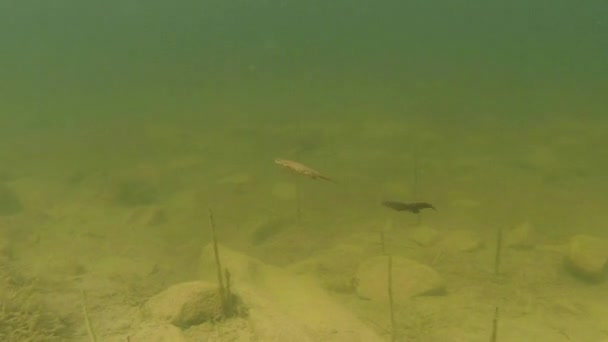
<point>415,207</point>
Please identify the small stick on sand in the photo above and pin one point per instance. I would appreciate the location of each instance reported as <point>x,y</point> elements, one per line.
<point>228,310</point>
<point>494,336</point>
<point>415,186</point>
<point>298,201</point>
<point>498,251</point>
<point>391,303</point>
<point>87,320</point>
<point>220,278</point>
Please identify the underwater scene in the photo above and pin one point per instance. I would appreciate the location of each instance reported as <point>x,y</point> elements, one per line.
<point>288,170</point>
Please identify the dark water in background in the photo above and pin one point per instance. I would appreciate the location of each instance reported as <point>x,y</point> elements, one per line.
<point>459,61</point>
<point>508,99</point>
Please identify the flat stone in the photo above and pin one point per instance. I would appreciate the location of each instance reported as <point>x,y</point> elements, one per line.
<point>283,306</point>
<point>267,229</point>
<point>148,215</point>
<point>186,304</point>
<point>410,279</point>
<point>424,236</point>
<point>522,236</point>
<point>335,268</point>
<point>463,241</point>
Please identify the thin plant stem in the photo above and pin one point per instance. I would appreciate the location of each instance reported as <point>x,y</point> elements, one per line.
<point>391,302</point>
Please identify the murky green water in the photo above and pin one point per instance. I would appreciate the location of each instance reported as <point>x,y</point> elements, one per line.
<point>122,122</point>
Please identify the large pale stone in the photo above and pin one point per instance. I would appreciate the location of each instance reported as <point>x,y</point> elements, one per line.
<point>463,241</point>
<point>335,268</point>
<point>283,306</point>
<point>410,279</point>
<point>424,236</point>
<point>186,304</point>
<point>588,256</point>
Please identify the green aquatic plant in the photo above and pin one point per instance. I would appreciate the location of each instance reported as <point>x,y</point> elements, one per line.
<point>230,303</point>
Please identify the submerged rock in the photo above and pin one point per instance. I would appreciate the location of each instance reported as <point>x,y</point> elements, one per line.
<point>267,229</point>
<point>147,216</point>
<point>424,236</point>
<point>410,279</point>
<point>139,186</point>
<point>282,306</point>
<point>335,268</point>
<point>186,304</point>
<point>135,192</point>
<point>463,241</point>
<point>587,256</point>
<point>522,236</point>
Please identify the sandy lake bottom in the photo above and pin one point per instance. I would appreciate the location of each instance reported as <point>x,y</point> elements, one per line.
<point>115,223</point>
